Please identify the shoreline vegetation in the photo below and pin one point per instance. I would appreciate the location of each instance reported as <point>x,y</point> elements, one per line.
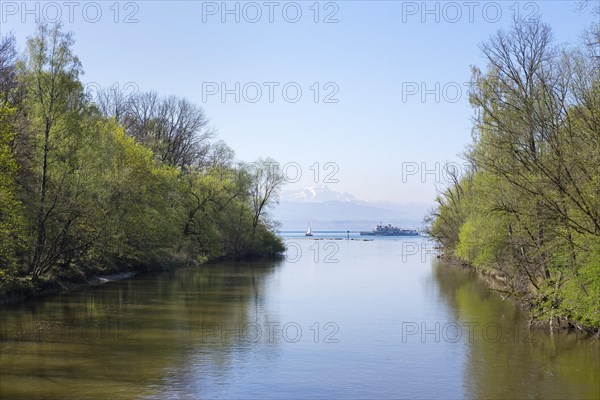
<point>104,184</point>
<point>496,281</point>
<point>97,182</point>
<point>527,208</point>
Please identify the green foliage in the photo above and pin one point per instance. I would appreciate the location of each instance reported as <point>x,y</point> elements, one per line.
<point>221,218</point>
<point>83,191</point>
<point>580,293</point>
<point>11,209</point>
<point>529,211</point>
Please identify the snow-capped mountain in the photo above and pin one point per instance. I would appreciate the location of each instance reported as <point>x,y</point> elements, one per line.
<point>315,194</point>
<point>326,209</point>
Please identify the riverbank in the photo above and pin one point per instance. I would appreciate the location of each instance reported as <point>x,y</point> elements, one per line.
<point>498,281</point>
<point>22,288</point>
<point>19,289</point>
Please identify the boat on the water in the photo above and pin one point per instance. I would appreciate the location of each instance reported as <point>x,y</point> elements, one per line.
<point>309,231</point>
<point>389,230</point>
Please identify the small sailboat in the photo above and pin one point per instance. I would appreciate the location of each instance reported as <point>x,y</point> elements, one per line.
<point>309,231</point>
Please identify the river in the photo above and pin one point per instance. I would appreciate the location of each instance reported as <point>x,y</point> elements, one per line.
<point>335,319</point>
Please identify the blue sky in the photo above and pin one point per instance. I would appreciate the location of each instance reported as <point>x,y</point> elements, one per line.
<point>369,61</point>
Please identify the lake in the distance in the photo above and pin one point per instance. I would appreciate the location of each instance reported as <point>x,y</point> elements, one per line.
<point>336,319</point>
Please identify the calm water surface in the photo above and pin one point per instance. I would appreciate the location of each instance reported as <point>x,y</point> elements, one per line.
<point>336,319</point>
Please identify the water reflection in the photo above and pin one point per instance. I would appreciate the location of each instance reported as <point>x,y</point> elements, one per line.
<point>126,338</point>
<point>506,359</point>
<point>375,319</point>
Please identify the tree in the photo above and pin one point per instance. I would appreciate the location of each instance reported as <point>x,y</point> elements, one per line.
<point>175,129</point>
<point>8,69</point>
<point>54,96</point>
<point>12,222</point>
<point>266,182</point>
<point>530,212</point>
<point>109,183</point>
<point>113,101</point>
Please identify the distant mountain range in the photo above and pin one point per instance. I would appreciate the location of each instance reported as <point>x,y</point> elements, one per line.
<point>315,194</point>
<point>326,209</point>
